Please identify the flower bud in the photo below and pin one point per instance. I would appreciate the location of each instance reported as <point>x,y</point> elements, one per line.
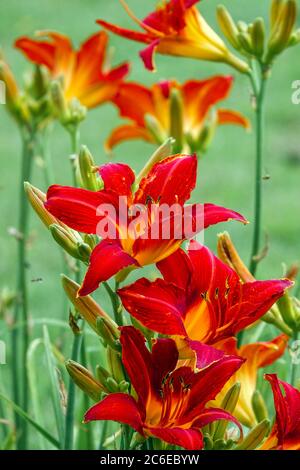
<point>87,165</point>
<point>255,436</point>
<point>287,311</point>
<point>283,29</point>
<point>259,406</point>
<point>258,37</point>
<point>112,385</point>
<point>77,112</point>
<point>229,403</point>
<point>244,39</point>
<point>84,380</point>
<point>176,119</point>
<point>102,375</point>
<point>294,39</point>
<point>276,10</point>
<point>109,332</point>
<point>86,306</point>
<point>274,317</point>
<point>165,150</point>
<point>37,199</point>
<point>68,240</point>
<point>229,255</point>
<point>59,102</point>
<point>155,128</point>
<point>228,26</point>
<point>207,133</point>
<point>115,365</point>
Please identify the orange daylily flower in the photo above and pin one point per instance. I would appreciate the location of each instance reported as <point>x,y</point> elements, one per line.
<point>177,28</point>
<point>137,102</point>
<point>83,72</point>
<point>256,355</point>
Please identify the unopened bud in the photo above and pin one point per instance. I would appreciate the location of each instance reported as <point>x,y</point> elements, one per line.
<point>11,87</point>
<point>109,332</point>
<point>115,365</point>
<point>176,119</point>
<point>294,39</point>
<point>280,37</point>
<point>112,385</point>
<point>88,176</point>
<point>229,255</point>
<point>156,130</point>
<point>59,102</point>
<point>86,306</point>
<point>228,26</point>
<point>84,380</point>
<point>207,133</point>
<point>244,39</point>
<point>258,37</point>
<point>40,82</point>
<point>229,403</point>
<point>165,150</point>
<point>255,436</point>
<point>37,199</point>
<point>68,240</point>
<point>275,13</point>
<point>287,311</point>
<point>77,111</point>
<point>259,406</point>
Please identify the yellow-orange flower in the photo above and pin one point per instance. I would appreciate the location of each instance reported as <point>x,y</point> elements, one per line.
<point>177,28</point>
<point>257,355</point>
<point>83,72</point>
<point>137,103</point>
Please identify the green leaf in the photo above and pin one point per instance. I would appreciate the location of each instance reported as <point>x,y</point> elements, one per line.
<point>55,387</point>
<point>25,416</point>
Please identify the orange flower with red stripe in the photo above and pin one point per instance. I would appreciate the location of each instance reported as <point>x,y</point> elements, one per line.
<point>83,72</point>
<point>137,102</point>
<point>168,403</point>
<point>285,434</point>
<point>177,28</point>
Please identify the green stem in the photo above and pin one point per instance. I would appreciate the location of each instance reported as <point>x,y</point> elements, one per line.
<point>21,308</point>
<point>293,363</point>
<point>116,303</point>
<point>260,96</point>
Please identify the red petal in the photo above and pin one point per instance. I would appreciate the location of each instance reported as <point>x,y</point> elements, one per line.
<point>190,439</point>
<point>164,357</point>
<point>40,52</point>
<point>169,181</point>
<point>77,207</point>
<point>147,55</point>
<point>107,259</point>
<point>215,214</point>
<point>214,414</point>
<point>125,33</point>
<point>137,361</point>
<point>117,177</point>
<point>117,407</point>
<point>157,305</point>
<point>177,269</point>
<point>205,354</point>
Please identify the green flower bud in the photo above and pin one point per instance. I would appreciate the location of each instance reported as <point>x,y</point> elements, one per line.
<point>228,26</point>
<point>87,170</point>
<point>115,365</point>
<point>259,406</point>
<point>255,437</point>
<point>109,332</point>
<point>84,380</point>
<point>258,37</point>
<point>69,240</point>
<point>176,119</point>
<point>165,150</point>
<point>154,127</point>
<point>229,403</point>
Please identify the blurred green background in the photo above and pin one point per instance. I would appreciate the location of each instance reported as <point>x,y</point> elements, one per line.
<point>225,174</point>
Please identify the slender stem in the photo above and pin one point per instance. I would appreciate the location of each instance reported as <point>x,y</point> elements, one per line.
<point>21,308</point>
<point>116,303</point>
<point>259,95</point>
<point>293,362</point>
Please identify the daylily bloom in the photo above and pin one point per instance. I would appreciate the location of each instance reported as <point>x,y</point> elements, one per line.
<point>168,183</point>
<point>83,72</point>
<point>256,355</point>
<point>285,434</point>
<point>137,102</point>
<point>168,402</point>
<point>177,28</point>
<point>200,297</point>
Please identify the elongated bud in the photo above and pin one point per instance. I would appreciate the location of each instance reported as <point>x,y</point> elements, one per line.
<point>68,240</point>
<point>207,132</point>
<point>87,165</point>
<point>274,317</point>
<point>59,102</point>
<point>259,406</point>
<point>228,26</point>
<point>115,364</point>
<point>37,199</point>
<point>86,306</point>
<point>287,311</point>
<point>109,332</point>
<point>84,380</point>
<point>275,13</point>
<point>165,150</point>
<point>258,37</point>
<point>40,82</point>
<point>255,436</point>
<point>155,128</point>
<point>294,39</point>
<point>244,39</point>
<point>229,403</point>
<point>279,40</point>
<point>11,87</point>
<point>112,385</point>
<point>229,255</point>
<point>176,119</point>
<point>77,111</point>
<point>102,375</point>
<point>242,26</point>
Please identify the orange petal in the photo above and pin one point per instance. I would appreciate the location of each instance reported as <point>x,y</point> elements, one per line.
<point>126,132</point>
<point>226,116</point>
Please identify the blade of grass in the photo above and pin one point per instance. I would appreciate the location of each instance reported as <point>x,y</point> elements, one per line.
<point>55,388</point>
<point>29,420</point>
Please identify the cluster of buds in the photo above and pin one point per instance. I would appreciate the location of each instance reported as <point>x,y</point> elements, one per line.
<point>70,113</point>
<point>253,41</point>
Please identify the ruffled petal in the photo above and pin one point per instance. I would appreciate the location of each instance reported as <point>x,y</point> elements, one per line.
<point>126,132</point>
<point>190,439</point>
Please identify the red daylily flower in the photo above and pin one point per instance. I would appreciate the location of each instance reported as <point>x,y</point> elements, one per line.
<point>83,72</point>
<point>168,182</point>
<point>136,102</point>
<point>200,297</point>
<point>170,403</point>
<point>177,28</point>
<point>285,434</point>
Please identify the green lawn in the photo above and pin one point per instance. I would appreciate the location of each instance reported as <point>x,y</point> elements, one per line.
<point>225,174</point>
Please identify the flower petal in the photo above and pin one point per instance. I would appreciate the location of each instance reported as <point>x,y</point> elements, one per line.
<point>117,177</point>
<point>126,132</point>
<point>125,33</point>
<point>215,414</point>
<point>215,214</point>
<point>107,259</point>
<point>177,269</point>
<point>164,357</point>
<point>117,407</point>
<point>157,305</point>
<point>147,55</point>
<point>134,101</point>
<point>227,116</point>
<point>190,439</point>
<point>205,354</point>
